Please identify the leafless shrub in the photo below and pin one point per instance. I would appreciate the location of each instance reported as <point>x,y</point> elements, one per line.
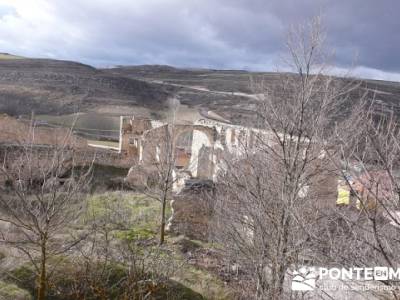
<point>41,196</point>
<point>269,199</point>
<point>120,259</point>
<point>369,166</point>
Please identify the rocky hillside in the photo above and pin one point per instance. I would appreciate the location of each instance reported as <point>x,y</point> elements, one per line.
<point>54,87</point>
<point>229,93</point>
<point>61,87</point>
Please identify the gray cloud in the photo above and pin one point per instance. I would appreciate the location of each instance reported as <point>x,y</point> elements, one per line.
<point>199,33</point>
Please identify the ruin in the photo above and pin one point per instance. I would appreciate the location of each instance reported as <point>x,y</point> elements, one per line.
<point>199,152</point>
<point>198,147</point>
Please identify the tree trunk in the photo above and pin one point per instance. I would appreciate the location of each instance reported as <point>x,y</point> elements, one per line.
<point>162,229</point>
<point>42,275</point>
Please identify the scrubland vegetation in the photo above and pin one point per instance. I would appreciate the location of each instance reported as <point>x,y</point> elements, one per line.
<point>119,258</point>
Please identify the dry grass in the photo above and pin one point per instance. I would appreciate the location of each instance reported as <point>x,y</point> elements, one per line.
<point>10,56</point>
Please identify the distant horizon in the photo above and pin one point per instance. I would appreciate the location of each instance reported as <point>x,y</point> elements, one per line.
<point>191,67</point>
<point>231,35</point>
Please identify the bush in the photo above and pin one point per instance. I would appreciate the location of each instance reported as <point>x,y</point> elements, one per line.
<point>70,280</point>
<point>77,280</point>
<point>24,277</point>
<point>174,290</point>
<point>9,291</point>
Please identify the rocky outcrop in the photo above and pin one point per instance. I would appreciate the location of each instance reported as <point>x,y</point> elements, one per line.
<point>192,210</point>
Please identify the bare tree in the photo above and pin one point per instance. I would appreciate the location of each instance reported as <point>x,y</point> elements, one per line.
<point>269,199</point>
<point>42,194</point>
<point>160,160</point>
<point>161,163</point>
<point>119,259</point>
<point>369,164</point>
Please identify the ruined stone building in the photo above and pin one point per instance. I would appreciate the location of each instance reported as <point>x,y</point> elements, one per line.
<point>198,147</point>
<point>200,150</point>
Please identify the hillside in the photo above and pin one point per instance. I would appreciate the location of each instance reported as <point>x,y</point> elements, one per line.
<point>229,93</point>
<point>10,56</point>
<point>61,87</point>
<point>55,87</point>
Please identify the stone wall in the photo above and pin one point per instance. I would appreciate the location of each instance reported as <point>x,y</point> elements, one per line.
<point>192,210</point>
<point>131,131</point>
<point>15,131</point>
<point>200,141</point>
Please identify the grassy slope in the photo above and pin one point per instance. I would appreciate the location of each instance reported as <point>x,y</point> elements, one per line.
<point>139,216</point>
<point>10,291</point>
<point>145,215</point>
<point>10,56</point>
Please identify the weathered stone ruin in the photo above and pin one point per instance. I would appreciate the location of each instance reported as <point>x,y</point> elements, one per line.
<point>200,150</point>
<point>193,209</point>
<point>198,147</point>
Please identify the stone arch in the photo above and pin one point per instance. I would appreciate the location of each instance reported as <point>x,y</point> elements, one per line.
<point>210,132</point>
<point>200,162</point>
<point>183,140</point>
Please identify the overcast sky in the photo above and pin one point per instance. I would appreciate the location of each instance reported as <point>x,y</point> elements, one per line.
<point>237,34</point>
